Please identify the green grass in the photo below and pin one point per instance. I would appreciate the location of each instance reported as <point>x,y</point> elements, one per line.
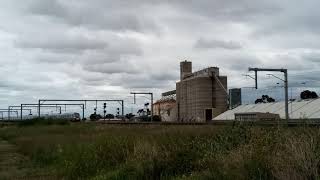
<point>88,151</point>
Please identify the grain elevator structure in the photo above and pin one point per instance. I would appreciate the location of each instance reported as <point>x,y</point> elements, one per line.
<point>201,95</point>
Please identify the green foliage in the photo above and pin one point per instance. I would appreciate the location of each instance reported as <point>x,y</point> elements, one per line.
<point>85,151</point>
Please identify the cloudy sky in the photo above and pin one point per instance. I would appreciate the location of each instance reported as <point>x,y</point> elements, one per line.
<point>107,48</point>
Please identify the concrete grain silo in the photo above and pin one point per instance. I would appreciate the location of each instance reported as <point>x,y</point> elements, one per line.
<point>201,95</point>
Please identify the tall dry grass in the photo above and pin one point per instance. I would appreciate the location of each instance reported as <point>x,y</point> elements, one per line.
<point>170,152</point>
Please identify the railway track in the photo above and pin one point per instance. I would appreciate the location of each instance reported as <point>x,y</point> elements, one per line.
<point>292,122</point>
<point>296,122</point>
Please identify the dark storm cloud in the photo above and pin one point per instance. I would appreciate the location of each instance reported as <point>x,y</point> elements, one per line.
<point>216,44</point>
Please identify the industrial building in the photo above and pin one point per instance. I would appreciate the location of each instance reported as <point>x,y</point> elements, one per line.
<point>201,95</point>
<point>166,107</point>
<point>299,109</point>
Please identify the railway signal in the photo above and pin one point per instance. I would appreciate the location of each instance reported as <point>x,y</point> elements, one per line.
<point>118,111</point>
<point>104,111</point>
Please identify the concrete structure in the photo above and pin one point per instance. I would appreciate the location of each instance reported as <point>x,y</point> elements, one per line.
<point>302,109</point>
<point>201,95</point>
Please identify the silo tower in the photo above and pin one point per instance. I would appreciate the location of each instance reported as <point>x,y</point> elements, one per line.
<point>185,69</point>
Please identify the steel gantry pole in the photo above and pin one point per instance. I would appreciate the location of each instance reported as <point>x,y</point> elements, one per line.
<point>21,112</point>
<point>78,100</point>
<point>149,93</point>
<point>151,107</point>
<point>11,109</point>
<point>256,79</point>
<point>285,72</point>
<point>39,108</point>
<point>53,105</point>
<point>286,93</point>
<point>8,113</point>
<point>122,109</point>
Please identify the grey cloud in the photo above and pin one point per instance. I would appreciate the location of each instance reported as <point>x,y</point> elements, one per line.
<point>297,21</point>
<point>242,64</point>
<point>139,81</point>
<point>229,10</point>
<point>113,68</point>
<point>99,14</point>
<point>216,44</point>
<point>170,75</point>
<point>61,43</point>
<point>48,7</point>
<point>55,58</point>
<point>311,77</point>
<point>294,61</point>
<point>311,57</point>
<point>90,48</point>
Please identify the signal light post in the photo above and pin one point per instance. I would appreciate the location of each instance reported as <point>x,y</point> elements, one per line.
<point>104,111</point>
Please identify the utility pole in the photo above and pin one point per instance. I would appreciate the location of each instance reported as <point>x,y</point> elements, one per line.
<point>151,94</point>
<point>285,80</point>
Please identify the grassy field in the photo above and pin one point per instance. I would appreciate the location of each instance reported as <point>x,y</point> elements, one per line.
<point>89,151</point>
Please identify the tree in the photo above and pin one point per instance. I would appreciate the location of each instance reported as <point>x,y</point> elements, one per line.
<point>265,99</point>
<point>308,95</point>
<point>140,111</point>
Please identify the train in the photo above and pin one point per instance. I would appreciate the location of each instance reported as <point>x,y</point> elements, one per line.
<point>73,117</point>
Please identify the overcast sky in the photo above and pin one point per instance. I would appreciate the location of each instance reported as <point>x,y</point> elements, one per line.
<point>107,48</point>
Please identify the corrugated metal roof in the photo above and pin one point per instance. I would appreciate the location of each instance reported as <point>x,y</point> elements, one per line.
<point>309,109</point>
